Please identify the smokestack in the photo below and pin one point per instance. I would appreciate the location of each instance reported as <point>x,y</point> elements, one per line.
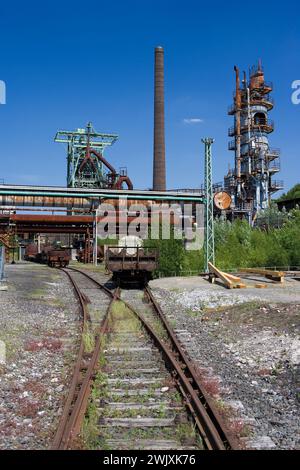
<point>159,165</point>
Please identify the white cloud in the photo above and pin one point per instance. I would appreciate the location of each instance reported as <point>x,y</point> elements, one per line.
<point>192,120</point>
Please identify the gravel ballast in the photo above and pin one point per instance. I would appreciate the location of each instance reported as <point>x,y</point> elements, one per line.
<point>40,331</point>
<point>247,352</point>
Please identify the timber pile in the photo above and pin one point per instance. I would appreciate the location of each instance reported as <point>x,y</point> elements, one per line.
<point>235,282</point>
<point>230,281</point>
<point>277,276</point>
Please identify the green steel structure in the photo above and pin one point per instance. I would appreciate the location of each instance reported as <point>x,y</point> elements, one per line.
<point>87,167</point>
<point>209,239</point>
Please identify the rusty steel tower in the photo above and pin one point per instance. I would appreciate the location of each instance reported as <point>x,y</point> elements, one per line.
<point>159,164</point>
<point>86,165</point>
<point>251,182</point>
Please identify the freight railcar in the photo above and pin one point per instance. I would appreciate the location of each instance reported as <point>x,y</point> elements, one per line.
<point>81,255</point>
<point>130,262</point>
<point>42,257</point>
<point>54,257</point>
<point>58,258</point>
<point>30,252</point>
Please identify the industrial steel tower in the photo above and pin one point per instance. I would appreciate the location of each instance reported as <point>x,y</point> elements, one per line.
<point>251,182</point>
<point>159,165</point>
<point>87,166</point>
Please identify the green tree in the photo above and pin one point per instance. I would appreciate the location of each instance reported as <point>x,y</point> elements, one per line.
<point>293,193</point>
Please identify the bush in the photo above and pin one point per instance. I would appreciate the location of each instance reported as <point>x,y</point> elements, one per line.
<point>237,245</point>
<point>171,255</point>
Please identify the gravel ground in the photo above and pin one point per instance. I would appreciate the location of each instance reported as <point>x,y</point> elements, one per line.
<point>40,330</point>
<point>246,345</point>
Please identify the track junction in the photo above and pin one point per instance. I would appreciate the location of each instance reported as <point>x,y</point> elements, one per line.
<point>138,372</point>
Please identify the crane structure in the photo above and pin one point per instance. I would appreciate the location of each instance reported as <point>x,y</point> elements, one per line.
<point>86,165</point>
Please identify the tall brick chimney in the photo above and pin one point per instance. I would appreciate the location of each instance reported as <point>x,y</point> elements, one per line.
<point>159,164</point>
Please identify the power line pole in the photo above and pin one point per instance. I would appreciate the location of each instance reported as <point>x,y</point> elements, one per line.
<point>209,239</point>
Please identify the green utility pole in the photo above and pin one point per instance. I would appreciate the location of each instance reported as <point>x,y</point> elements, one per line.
<point>209,239</point>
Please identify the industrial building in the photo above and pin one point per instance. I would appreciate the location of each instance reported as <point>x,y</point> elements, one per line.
<point>251,182</point>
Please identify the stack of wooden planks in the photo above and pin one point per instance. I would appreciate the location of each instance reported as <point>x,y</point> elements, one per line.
<point>277,276</point>
<point>230,281</point>
<point>235,282</point>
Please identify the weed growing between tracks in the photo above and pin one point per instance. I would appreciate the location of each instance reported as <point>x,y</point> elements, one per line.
<point>90,430</point>
<point>88,338</point>
<point>125,329</point>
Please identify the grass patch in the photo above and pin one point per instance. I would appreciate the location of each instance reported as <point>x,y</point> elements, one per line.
<point>36,294</point>
<point>88,338</point>
<point>13,340</point>
<point>90,429</point>
<point>125,319</point>
<point>192,313</point>
<point>159,329</point>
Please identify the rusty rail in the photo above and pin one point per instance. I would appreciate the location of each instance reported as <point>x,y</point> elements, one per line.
<point>208,421</point>
<point>76,403</point>
<point>211,418</point>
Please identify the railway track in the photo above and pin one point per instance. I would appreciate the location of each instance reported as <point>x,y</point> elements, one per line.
<point>135,379</point>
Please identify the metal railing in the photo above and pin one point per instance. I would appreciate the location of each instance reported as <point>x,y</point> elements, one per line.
<point>244,206</point>
<point>231,109</point>
<point>229,182</point>
<point>267,85</point>
<point>259,124</point>
<point>276,185</point>
<point>262,122</point>
<point>123,171</point>
<point>201,190</point>
<point>231,131</point>
<point>231,145</point>
<point>272,220</point>
<point>267,99</point>
<point>218,186</point>
<point>273,153</point>
<point>188,190</point>
<point>184,273</point>
<point>274,165</point>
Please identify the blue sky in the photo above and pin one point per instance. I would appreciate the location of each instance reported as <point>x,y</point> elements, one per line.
<point>67,63</point>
